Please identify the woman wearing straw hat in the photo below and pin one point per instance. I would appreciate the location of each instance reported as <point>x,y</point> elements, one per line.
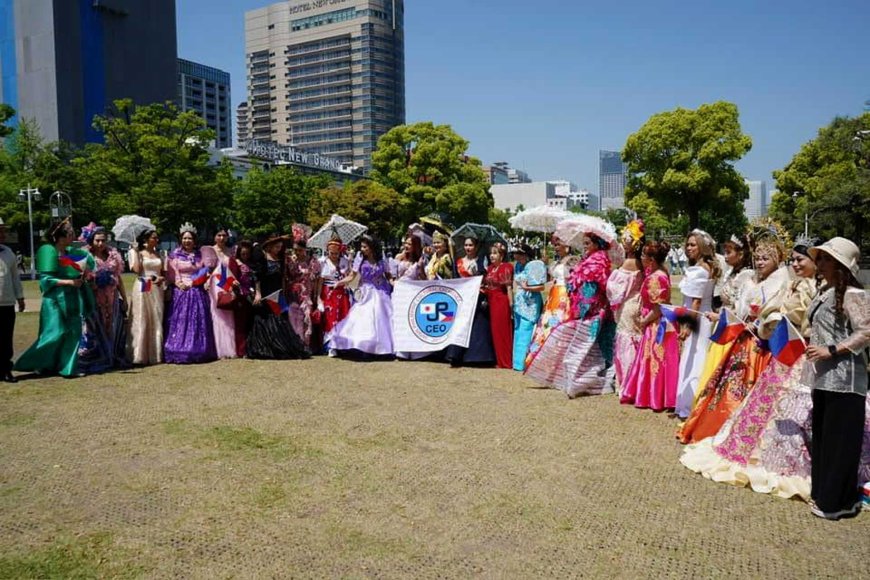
<point>840,331</point>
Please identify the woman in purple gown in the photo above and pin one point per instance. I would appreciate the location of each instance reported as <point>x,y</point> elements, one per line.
<point>368,326</point>
<point>189,333</point>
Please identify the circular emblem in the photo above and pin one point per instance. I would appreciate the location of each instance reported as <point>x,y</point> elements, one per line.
<point>433,312</point>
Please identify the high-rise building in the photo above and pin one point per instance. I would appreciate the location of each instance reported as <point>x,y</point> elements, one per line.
<point>755,206</point>
<point>513,175</point>
<point>242,124</point>
<point>326,77</point>
<point>560,194</point>
<point>611,179</point>
<point>64,61</point>
<point>206,90</point>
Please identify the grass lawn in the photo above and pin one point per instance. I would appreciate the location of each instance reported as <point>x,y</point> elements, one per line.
<point>328,468</point>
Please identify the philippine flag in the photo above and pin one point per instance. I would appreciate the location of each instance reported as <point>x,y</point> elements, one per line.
<point>669,314</point>
<point>446,317</point>
<point>786,343</point>
<point>225,280</point>
<point>200,277</point>
<point>77,263</point>
<point>145,284</point>
<point>728,328</point>
<point>276,303</point>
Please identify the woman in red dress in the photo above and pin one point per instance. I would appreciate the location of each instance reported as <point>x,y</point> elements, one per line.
<point>497,284</point>
<point>334,299</point>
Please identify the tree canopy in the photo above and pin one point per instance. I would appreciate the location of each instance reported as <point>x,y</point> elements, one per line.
<point>271,201</point>
<point>427,166</point>
<point>155,163</point>
<point>828,182</point>
<point>683,160</point>
<point>367,202</point>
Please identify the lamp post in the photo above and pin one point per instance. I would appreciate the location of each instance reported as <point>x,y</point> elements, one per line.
<point>27,195</point>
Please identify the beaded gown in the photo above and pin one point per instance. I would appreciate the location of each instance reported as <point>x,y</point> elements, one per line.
<point>147,301</point>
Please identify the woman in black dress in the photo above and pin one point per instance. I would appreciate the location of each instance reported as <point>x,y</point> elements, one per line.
<point>271,335</point>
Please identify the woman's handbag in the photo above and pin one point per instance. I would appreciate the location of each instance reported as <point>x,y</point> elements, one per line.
<point>228,300</point>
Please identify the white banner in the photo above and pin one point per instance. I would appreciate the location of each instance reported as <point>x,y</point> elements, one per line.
<point>429,315</point>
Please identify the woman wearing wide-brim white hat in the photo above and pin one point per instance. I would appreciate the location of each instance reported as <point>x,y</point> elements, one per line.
<point>839,319</point>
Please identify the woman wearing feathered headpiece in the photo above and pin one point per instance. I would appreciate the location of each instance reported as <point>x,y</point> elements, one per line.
<point>623,293</point>
<point>189,331</point>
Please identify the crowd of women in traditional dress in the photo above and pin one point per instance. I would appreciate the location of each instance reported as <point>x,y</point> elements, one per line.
<point>796,429</point>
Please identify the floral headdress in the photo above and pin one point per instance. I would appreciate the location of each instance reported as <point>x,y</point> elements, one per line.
<point>634,232</point>
<point>301,233</point>
<point>89,231</point>
<point>185,228</point>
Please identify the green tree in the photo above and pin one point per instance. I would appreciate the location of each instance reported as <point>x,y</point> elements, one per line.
<point>367,202</point>
<point>26,160</point>
<point>154,163</point>
<point>271,201</point>
<point>827,183</point>
<point>683,159</point>
<point>427,165</point>
<point>648,209</point>
<point>6,113</point>
<point>498,218</point>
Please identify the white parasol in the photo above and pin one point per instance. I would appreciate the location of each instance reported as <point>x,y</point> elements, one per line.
<point>542,218</point>
<point>129,227</point>
<point>337,227</point>
<point>571,230</point>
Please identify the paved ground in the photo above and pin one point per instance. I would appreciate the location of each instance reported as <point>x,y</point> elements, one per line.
<point>328,468</point>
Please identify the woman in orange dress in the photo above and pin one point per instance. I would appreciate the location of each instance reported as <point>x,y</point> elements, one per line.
<point>741,368</point>
<point>498,283</point>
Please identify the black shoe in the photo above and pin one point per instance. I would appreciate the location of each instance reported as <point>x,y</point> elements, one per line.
<point>9,378</point>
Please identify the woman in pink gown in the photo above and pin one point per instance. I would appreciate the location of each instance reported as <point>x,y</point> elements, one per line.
<point>623,293</point>
<point>223,321</point>
<point>652,379</point>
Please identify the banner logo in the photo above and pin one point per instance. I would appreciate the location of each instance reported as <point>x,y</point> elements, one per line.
<point>433,313</point>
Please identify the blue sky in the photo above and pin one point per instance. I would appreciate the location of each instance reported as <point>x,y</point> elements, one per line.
<point>545,85</point>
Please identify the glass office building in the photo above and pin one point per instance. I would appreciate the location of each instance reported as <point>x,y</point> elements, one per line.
<point>206,90</point>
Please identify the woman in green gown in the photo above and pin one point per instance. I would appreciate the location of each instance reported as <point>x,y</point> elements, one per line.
<point>67,300</point>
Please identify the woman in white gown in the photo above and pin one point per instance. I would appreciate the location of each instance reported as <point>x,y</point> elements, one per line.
<point>145,346</point>
<point>697,289</point>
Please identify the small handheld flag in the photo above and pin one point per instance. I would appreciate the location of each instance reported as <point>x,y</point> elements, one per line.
<point>77,263</point>
<point>200,277</point>
<point>728,328</point>
<point>225,280</point>
<point>276,302</point>
<point>670,314</point>
<point>145,284</point>
<point>786,343</point>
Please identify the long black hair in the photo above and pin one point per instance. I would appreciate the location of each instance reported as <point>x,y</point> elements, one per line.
<point>375,245</point>
<point>142,239</point>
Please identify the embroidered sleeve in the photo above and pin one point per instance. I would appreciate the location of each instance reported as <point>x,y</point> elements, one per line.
<point>856,307</point>
<point>659,289</point>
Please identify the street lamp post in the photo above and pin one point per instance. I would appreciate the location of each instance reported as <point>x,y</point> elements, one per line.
<point>26,195</point>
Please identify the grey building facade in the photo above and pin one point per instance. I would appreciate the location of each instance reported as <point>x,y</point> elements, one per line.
<point>206,90</point>
<point>64,61</point>
<point>611,179</point>
<point>327,77</point>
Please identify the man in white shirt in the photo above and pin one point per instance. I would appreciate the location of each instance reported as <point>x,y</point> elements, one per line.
<point>10,293</point>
